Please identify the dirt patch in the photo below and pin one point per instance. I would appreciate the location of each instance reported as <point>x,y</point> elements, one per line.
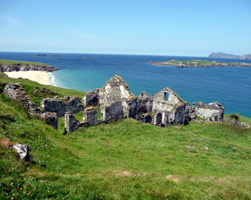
<point>124,173</point>
<point>173,178</point>
<point>6,143</point>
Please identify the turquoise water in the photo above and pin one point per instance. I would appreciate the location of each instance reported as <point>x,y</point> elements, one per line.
<point>228,85</point>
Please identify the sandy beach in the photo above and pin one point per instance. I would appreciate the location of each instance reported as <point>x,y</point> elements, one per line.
<point>41,77</point>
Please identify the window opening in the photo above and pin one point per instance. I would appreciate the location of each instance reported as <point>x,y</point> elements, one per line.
<point>166,96</point>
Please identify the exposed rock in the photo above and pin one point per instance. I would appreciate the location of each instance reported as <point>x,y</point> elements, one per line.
<point>23,151</point>
<point>238,122</point>
<point>27,67</point>
<point>61,105</point>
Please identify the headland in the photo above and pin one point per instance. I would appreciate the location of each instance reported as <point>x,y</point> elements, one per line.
<point>230,56</point>
<point>28,70</point>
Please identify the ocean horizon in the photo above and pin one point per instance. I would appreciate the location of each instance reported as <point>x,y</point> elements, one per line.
<point>229,86</point>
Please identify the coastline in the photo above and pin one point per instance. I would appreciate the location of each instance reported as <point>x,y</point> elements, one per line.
<point>41,77</point>
<point>199,63</point>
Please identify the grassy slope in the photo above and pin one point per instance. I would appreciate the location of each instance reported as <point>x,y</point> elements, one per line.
<point>123,160</point>
<point>11,62</point>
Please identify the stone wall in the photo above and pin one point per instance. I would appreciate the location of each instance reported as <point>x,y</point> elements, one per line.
<point>166,100</point>
<point>61,105</point>
<point>146,118</point>
<point>90,115</point>
<point>50,118</point>
<point>91,98</point>
<point>112,112</point>
<point>15,91</point>
<point>180,114</point>
<point>114,90</point>
<point>71,123</point>
<point>133,108</point>
<point>210,112</point>
<point>143,95</point>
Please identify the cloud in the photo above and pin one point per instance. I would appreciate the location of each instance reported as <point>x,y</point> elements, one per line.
<point>10,20</point>
<point>85,36</point>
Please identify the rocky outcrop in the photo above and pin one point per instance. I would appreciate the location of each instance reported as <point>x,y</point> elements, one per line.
<point>209,112</point>
<point>23,151</point>
<point>61,105</point>
<point>27,67</point>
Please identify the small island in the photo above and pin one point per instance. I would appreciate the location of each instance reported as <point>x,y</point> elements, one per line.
<point>199,63</point>
<point>13,65</point>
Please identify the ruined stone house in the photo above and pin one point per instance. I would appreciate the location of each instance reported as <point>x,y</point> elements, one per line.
<point>116,102</point>
<point>166,106</point>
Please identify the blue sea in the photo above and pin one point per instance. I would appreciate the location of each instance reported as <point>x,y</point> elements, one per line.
<point>230,86</point>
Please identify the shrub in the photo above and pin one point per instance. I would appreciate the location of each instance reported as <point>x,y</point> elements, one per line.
<point>234,116</point>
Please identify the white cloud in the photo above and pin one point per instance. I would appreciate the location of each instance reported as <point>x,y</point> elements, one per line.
<point>10,20</point>
<point>85,36</point>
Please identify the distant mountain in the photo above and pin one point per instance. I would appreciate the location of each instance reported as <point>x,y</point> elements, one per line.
<point>231,56</point>
<point>246,56</point>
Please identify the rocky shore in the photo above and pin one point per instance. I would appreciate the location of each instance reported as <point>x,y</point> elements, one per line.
<point>26,67</point>
<point>198,63</point>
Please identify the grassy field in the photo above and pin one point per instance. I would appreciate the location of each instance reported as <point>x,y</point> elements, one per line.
<point>122,160</point>
<point>11,62</point>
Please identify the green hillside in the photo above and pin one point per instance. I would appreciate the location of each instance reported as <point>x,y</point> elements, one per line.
<point>122,160</point>
<point>13,62</point>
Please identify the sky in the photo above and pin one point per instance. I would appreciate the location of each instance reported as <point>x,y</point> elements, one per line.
<point>141,27</point>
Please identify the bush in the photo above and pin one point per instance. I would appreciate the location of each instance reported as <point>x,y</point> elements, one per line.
<point>234,116</point>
